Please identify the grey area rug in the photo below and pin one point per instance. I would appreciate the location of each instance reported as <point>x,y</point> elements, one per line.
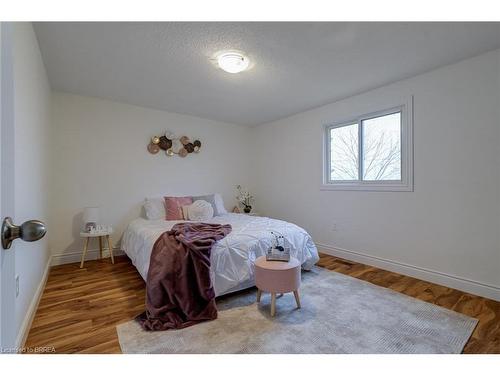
<point>339,314</point>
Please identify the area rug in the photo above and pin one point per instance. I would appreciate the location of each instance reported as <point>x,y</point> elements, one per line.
<point>339,314</point>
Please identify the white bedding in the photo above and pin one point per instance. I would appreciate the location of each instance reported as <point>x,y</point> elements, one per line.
<point>232,257</point>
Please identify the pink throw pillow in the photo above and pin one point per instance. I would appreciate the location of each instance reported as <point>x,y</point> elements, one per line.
<point>173,207</point>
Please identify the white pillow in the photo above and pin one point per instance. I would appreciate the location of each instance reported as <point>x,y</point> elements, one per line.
<point>219,203</point>
<point>198,211</point>
<point>155,208</point>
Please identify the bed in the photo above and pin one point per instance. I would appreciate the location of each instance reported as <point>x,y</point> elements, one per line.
<point>232,257</point>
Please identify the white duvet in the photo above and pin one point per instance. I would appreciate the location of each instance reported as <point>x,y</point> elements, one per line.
<point>232,257</point>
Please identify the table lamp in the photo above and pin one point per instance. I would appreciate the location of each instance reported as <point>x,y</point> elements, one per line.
<point>90,218</point>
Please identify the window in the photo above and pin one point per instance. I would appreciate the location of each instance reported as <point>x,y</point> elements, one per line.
<point>370,152</point>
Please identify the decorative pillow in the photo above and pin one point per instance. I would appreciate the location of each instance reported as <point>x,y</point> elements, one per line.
<point>185,213</point>
<point>155,208</point>
<point>219,205</point>
<point>173,207</point>
<point>210,198</point>
<point>200,210</point>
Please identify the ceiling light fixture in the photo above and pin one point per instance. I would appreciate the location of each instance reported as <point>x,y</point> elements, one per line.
<point>233,62</point>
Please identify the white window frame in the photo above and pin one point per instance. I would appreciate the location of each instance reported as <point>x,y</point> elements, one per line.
<point>406,182</point>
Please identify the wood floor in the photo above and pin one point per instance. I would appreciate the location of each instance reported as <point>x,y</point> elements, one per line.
<point>80,308</point>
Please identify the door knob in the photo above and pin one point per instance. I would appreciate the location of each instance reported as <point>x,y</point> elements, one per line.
<point>31,230</point>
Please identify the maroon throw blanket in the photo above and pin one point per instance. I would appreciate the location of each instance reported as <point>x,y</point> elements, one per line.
<point>179,291</point>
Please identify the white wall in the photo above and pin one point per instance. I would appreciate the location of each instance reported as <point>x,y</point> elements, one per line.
<point>448,229</point>
<point>32,134</point>
<point>100,158</point>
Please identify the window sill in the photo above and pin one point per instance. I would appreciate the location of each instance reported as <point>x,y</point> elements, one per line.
<point>367,187</point>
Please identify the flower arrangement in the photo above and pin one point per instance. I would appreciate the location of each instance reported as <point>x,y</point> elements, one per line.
<point>244,198</point>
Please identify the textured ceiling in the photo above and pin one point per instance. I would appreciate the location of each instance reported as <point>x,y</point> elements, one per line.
<point>297,66</point>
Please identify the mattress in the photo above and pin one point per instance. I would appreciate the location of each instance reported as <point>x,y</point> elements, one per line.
<point>232,258</point>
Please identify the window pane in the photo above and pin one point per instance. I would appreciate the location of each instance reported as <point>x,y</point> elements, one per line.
<point>382,148</point>
<point>344,158</point>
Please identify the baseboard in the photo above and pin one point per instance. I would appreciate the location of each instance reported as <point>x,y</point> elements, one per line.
<point>441,278</point>
<point>76,256</point>
<point>30,314</point>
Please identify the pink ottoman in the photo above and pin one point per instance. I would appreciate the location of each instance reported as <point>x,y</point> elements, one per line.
<point>277,277</point>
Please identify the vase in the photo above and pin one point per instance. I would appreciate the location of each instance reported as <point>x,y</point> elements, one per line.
<point>247,209</point>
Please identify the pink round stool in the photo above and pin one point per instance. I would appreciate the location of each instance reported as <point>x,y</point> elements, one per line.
<point>277,277</point>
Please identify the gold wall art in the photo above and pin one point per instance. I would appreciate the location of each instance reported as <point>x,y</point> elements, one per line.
<point>173,145</point>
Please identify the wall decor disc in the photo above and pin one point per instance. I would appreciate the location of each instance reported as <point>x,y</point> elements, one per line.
<point>197,143</point>
<point>152,148</point>
<point>170,152</point>
<point>196,149</point>
<point>165,143</point>
<point>155,140</point>
<point>184,140</point>
<point>189,147</point>
<point>182,152</point>
<point>176,144</point>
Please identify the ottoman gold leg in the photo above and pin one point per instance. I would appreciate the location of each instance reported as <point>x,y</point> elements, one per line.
<point>259,294</point>
<point>297,298</point>
<point>273,304</point>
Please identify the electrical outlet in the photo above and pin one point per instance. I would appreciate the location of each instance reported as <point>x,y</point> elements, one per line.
<point>17,286</point>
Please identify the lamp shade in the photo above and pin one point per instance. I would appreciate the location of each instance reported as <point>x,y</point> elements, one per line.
<point>90,216</point>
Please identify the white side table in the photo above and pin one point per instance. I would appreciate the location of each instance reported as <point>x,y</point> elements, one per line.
<point>101,236</point>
